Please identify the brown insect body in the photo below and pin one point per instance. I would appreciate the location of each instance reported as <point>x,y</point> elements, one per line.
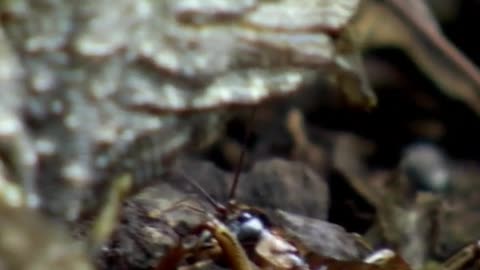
<point>243,235</point>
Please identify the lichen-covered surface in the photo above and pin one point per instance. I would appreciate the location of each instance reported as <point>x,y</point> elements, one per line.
<point>83,82</point>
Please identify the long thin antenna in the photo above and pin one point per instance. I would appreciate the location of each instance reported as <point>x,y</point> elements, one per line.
<point>219,207</point>
<point>236,176</point>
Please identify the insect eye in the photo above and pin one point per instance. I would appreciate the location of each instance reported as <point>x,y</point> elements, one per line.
<point>250,229</point>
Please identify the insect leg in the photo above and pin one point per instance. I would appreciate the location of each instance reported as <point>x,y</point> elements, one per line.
<point>464,256</point>
<point>232,249</point>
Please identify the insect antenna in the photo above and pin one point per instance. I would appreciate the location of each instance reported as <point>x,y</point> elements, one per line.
<point>218,206</point>
<point>236,177</point>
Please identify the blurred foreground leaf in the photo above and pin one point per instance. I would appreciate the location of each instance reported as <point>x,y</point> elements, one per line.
<point>409,25</point>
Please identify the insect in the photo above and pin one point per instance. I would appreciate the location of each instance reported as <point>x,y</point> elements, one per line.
<point>240,235</point>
